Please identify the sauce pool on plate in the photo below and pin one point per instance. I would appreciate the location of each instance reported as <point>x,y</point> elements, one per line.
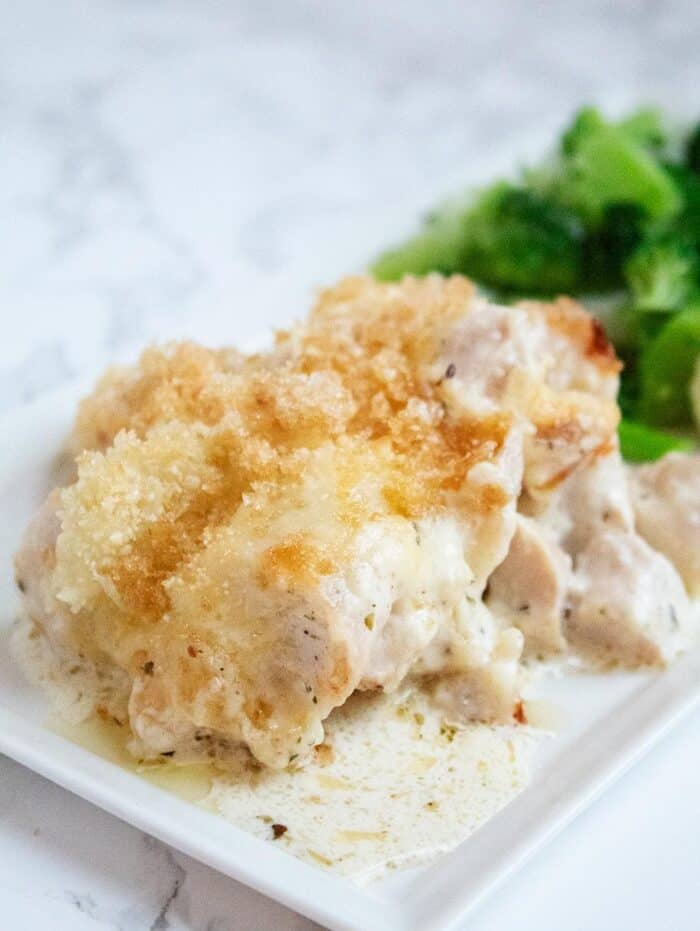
<point>392,785</point>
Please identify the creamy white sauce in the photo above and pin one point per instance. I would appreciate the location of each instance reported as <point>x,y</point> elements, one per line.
<point>392,786</point>
<point>396,788</point>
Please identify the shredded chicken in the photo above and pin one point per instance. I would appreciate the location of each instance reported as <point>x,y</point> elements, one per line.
<point>251,539</point>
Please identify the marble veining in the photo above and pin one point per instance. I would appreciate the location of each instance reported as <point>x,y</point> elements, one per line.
<point>197,169</point>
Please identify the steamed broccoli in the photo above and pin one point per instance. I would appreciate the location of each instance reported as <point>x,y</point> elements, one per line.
<point>687,222</point>
<point>587,121</point>
<point>662,273</point>
<point>607,248</point>
<point>605,164</point>
<point>568,226</point>
<point>510,238</point>
<point>643,127</point>
<point>517,241</point>
<point>666,367</point>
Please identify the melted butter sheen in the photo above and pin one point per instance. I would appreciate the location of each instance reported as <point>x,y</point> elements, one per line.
<point>392,786</point>
<point>193,782</point>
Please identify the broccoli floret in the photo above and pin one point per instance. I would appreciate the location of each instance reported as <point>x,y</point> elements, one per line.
<point>437,248</point>
<point>632,333</point>
<point>666,367</point>
<point>647,327</point>
<point>692,150</point>
<point>643,127</point>
<point>588,120</point>
<point>646,128</point>
<point>662,273</point>
<point>511,239</point>
<point>605,164</point>
<point>518,241</point>
<point>687,222</point>
<point>607,248</point>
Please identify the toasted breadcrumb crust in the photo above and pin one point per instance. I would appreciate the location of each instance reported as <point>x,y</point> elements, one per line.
<point>353,377</point>
<point>190,432</point>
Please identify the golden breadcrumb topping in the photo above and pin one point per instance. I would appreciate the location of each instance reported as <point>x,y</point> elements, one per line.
<point>356,371</point>
<point>169,383</point>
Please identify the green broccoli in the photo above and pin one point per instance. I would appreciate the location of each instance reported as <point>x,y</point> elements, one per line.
<point>687,222</point>
<point>662,273</point>
<point>607,248</point>
<point>518,241</point>
<point>646,327</point>
<point>510,238</point>
<point>605,164</point>
<point>666,367</point>
<point>645,127</point>
<point>587,121</point>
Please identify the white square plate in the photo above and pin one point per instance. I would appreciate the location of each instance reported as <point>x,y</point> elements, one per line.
<point>609,722</point>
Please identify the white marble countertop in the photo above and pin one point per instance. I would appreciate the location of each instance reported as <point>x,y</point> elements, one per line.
<point>188,168</point>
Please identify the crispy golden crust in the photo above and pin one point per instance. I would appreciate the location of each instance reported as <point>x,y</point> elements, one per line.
<point>353,365</point>
<point>356,371</point>
<point>172,383</point>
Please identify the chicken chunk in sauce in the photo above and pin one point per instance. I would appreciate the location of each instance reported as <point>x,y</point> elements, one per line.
<point>666,501</point>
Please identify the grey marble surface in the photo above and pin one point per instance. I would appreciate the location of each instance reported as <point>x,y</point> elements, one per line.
<point>196,169</point>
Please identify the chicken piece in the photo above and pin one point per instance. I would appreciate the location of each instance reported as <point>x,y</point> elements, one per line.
<point>666,499</point>
<point>330,591</point>
<point>490,690</point>
<point>618,607</point>
<point>47,645</point>
<point>549,364</point>
<point>250,539</point>
<point>628,606</point>
<point>557,343</point>
<point>573,408</point>
<point>529,588</point>
<point>591,499</point>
